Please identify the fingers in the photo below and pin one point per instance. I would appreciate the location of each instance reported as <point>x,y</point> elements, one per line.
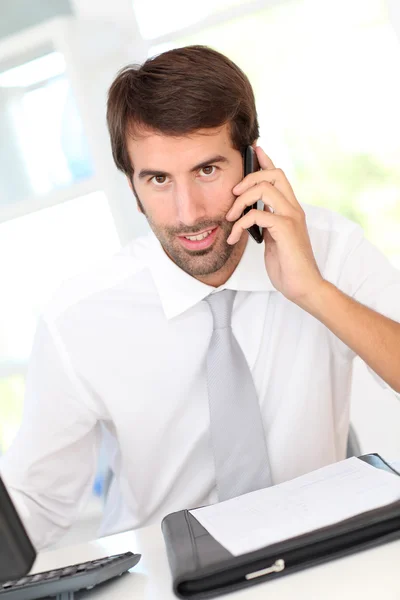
<point>264,160</point>
<point>278,227</point>
<point>275,177</point>
<point>264,219</point>
<point>269,195</point>
<point>270,175</point>
<point>271,186</point>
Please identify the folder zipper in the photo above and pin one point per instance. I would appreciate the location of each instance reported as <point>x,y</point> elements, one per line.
<point>331,546</point>
<point>278,565</point>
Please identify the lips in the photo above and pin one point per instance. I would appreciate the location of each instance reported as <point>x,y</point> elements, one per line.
<point>210,229</point>
<point>199,244</point>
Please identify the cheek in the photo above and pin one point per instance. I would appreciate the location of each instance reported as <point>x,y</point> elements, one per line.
<point>221,197</point>
<point>160,210</point>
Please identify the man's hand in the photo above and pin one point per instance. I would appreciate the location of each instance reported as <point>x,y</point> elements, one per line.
<point>289,258</point>
<point>292,268</point>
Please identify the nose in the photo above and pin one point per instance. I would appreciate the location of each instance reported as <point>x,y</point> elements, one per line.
<point>190,203</point>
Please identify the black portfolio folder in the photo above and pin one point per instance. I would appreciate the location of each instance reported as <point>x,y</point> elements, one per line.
<point>202,568</point>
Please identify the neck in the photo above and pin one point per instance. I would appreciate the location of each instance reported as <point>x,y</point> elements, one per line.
<point>220,277</point>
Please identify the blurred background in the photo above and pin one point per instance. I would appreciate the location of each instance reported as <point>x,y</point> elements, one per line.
<point>327,85</point>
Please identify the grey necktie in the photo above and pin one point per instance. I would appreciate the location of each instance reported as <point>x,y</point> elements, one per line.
<point>237,433</point>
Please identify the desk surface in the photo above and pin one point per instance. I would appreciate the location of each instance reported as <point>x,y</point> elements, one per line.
<point>367,575</point>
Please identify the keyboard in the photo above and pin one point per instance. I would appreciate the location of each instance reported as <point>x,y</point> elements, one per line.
<point>63,582</point>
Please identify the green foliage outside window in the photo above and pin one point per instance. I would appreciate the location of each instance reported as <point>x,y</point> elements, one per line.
<point>358,185</point>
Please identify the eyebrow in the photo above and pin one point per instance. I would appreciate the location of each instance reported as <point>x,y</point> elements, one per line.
<point>154,173</point>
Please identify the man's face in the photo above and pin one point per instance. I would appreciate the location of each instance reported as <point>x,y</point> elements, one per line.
<point>184,187</point>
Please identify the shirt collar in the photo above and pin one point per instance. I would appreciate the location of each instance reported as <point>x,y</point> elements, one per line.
<point>179,291</point>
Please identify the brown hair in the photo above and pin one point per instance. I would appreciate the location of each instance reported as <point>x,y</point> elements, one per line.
<point>177,93</point>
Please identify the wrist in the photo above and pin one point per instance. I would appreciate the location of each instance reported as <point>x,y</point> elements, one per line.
<point>319,298</point>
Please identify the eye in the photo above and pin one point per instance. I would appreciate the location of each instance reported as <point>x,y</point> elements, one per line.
<point>159,180</point>
<point>209,170</point>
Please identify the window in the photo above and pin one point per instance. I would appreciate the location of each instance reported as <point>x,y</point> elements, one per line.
<point>46,148</point>
<point>39,251</point>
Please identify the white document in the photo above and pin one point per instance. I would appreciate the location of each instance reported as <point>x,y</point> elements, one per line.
<point>283,511</point>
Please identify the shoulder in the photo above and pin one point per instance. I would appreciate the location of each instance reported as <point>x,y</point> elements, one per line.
<point>329,221</point>
<point>128,268</point>
<point>333,238</point>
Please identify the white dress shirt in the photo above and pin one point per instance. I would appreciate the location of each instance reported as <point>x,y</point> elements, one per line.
<point>123,349</point>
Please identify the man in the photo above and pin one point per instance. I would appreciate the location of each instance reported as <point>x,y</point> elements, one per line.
<point>126,349</point>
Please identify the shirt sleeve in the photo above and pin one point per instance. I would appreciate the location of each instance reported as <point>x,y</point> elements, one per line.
<point>368,276</point>
<point>50,466</point>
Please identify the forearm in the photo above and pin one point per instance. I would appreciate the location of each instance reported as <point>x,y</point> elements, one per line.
<point>372,336</point>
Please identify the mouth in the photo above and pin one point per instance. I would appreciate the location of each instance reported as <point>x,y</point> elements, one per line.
<point>199,241</point>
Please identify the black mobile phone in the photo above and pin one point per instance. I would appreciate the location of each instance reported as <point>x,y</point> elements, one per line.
<point>250,165</point>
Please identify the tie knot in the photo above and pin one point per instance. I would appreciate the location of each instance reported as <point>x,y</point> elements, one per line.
<point>221,305</point>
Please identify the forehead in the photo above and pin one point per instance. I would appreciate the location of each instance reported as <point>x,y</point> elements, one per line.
<point>150,149</point>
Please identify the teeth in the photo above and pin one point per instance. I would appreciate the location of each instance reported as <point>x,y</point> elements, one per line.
<point>199,237</point>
